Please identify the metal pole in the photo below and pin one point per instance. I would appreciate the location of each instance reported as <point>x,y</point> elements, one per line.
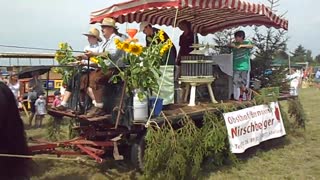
<point>47,82</point>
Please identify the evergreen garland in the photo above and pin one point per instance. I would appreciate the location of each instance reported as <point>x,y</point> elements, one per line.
<point>53,131</point>
<point>179,153</point>
<point>296,111</point>
<point>285,119</point>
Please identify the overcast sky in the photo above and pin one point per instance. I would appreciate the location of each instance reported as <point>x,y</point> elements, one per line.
<point>45,23</point>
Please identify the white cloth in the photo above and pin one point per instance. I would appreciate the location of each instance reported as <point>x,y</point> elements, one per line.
<point>114,53</point>
<point>93,48</point>
<point>225,62</point>
<point>15,88</point>
<point>167,89</point>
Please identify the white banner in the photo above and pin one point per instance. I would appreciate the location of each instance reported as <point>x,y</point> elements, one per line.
<point>248,127</point>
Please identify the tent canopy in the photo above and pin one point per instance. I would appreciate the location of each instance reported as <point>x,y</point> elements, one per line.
<point>206,16</point>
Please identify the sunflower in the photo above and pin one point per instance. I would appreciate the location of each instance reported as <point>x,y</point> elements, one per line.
<point>117,41</point>
<point>161,32</point>
<point>169,43</point>
<point>125,46</point>
<point>61,45</point>
<point>55,70</point>
<point>94,60</point>
<point>164,49</point>
<point>135,49</point>
<point>59,55</point>
<point>119,45</point>
<point>161,37</point>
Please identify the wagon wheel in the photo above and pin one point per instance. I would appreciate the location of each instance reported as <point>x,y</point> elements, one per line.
<point>137,153</point>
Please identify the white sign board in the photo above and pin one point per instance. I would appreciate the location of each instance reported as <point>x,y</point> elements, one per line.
<point>248,127</point>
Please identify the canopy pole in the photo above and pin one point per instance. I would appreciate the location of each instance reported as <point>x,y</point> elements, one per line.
<point>149,121</point>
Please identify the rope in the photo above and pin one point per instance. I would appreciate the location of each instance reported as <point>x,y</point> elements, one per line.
<point>162,79</point>
<point>78,159</point>
<point>34,48</point>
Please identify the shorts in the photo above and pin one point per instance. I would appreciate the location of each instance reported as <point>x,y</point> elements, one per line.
<point>98,79</point>
<point>240,78</point>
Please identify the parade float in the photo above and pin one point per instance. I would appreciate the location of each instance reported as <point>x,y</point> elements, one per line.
<point>174,141</point>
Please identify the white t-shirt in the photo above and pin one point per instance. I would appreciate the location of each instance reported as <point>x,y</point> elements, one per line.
<point>15,88</point>
<point>93,48</point>
<point>318,74</point>
<point>115,54</point>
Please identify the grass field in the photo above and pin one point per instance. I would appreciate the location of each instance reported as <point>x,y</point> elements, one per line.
<point>297,158</point>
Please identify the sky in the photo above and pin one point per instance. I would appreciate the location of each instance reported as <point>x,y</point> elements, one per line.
<point>45,23</point>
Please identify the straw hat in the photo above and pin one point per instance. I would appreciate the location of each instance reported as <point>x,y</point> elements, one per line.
<point>94,32</point>
<point>143,25</point>
<point>109,22</point>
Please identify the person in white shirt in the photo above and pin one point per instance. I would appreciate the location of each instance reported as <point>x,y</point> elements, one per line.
<point>93,46</point>
<point>97,78</point>
<point>14,86</point>
<point>317,79</point>
<point>294,82</point>
<point>318,75</point>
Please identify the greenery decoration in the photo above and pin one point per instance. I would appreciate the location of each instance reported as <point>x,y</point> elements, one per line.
<point>285,119</point>
<point>179,153</point>
<point>267,95</point>
<point>64,57</point>
<point>53,129</point>
<point>296,111</point>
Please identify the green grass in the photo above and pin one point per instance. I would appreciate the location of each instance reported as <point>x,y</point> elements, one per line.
<point>297,158</point>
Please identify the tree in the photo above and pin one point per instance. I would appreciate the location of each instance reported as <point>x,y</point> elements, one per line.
<point>269,44</point>
<point>299,51</point>
<point>309,57</point>
<point>299,54</point>
<point>281,54</point>
<point>222,39</point>
<point>317,59</point>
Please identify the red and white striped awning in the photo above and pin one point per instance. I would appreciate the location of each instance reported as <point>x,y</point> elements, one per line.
<point>206,16</point>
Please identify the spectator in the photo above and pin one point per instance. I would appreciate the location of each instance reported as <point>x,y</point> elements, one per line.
<point>13,140</point>
<point>57,99</point>
<point>41,110</point>
<point>14,86</point>
<point>35,89</point>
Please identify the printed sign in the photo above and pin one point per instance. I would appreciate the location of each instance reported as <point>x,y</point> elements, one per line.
<point>248,127</point>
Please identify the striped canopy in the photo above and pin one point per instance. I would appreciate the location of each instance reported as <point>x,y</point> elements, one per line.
<point>206,16</point>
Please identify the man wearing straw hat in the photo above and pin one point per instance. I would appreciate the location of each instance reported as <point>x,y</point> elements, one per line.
<point>97,78</point>
<point>93,38</point>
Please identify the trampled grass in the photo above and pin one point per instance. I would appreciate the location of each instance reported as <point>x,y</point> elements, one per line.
<point>297,158</point>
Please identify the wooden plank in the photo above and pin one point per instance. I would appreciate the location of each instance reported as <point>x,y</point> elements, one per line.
<point>98,118</point>
<point>55,112</point>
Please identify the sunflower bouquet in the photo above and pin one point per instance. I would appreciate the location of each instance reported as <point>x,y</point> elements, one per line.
<point>64,57</point>
<point>100,61</point>
<point>143,69</point>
